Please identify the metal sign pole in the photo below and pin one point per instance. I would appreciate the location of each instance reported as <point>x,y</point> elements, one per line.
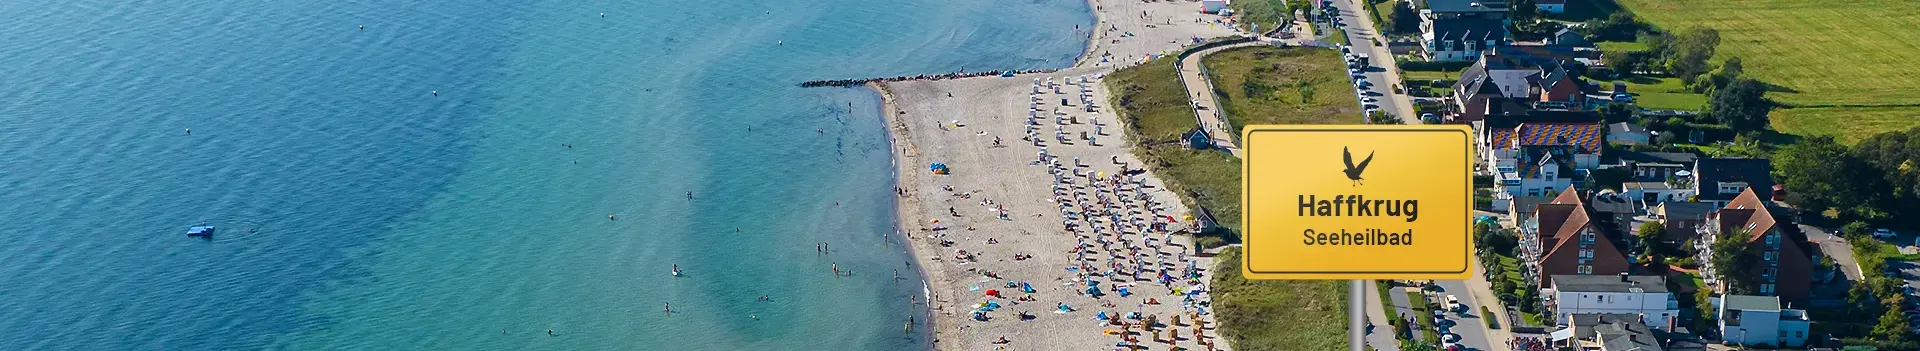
<point>1357,315</point>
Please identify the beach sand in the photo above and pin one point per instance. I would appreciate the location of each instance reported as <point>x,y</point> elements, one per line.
<point>920,118</point>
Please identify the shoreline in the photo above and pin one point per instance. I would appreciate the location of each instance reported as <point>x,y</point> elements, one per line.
<point>982,105</point>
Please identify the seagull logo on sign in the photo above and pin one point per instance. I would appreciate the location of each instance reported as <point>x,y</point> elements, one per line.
<point>1353,171</point>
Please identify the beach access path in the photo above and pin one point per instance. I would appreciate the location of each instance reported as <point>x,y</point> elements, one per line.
<point>921,118</point>
<point>1200,89</point>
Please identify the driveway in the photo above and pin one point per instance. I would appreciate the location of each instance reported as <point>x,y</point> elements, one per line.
<point>1383,72</point>
<point>1835,247</point>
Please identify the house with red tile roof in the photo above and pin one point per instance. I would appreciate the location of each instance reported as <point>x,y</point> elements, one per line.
<point>1782,264</point>
<point>1564,237</point>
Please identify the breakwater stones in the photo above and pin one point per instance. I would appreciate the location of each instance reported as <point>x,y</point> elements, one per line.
<point>955,75</point>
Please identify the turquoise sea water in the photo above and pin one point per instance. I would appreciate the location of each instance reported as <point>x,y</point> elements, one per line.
<point>359,211</point>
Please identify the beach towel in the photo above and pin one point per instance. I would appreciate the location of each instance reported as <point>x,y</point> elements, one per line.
<point>1026,287</point>
<point>1123,292</point>
<point>1101,316</point>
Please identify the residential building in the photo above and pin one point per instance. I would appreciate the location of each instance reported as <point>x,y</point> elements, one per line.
<point>1515,81</point>
<point>1562,238</point>
<point>1607,332</point>
<point>1759,321</point>
<point>1659,166</point>
<point>1537,158</point>
<point>1718,180</point>
<point>1646,195</point>
<point>1782,263</point>
<point>1628,134</point>
<point>1460,30</point>
<point>1645,296</point>
<point>1681,218</point>
<point>1566,36</point>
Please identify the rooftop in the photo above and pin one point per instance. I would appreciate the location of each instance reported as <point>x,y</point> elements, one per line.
<point>1467,5</point>
<point>1680,158</point>
<point>1751,303</point>
<point>1610,283</point>
<point>1755,172</point>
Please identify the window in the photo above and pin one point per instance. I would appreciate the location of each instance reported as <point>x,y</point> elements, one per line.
<point>1770,256</point>
<point>1770,273</point>
<point>1766,289</point>
<point>1533,192</point>
<point>1586,253</point>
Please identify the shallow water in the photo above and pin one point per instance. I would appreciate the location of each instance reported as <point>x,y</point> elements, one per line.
<point>360,210</point>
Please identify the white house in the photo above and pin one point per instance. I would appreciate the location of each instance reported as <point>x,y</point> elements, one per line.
<point>1536,159</point>
<point>1759,321</point>
<point>1459,30</point>
<point>1642,295</point>
<point>1649,194</point>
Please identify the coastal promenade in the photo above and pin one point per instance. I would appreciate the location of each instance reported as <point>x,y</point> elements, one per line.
<point>997,220</point>
<point>1200,89</point>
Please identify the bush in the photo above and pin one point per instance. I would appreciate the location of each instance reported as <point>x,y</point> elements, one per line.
<point>1493,320</point>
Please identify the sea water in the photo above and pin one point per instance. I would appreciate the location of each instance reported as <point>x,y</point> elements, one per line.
<point>440,175</point>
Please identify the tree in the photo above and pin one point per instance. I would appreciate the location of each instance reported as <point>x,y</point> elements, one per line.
<point>1523,12</point>
<point>1381,117</point>
<point>1618,112</point>
<point>1625,62</point>
<point>1823,174</point>
<point>1689,52</point>
<point>1892,325</point>
<point>1649,238</point>
<point>1855,230</point>
<point>1620,26</point>
<point>1734,263</point>
<point>1742,105</point>
<point>1405,20</point>
<point>1729,71</point>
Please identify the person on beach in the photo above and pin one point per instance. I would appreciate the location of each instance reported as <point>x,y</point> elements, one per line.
<point>668,307</point>
<point>549,332</point>
<point>836,269</point>
<point>689,195</point>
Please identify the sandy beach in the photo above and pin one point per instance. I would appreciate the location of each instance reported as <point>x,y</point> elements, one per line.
<point>996,224</point>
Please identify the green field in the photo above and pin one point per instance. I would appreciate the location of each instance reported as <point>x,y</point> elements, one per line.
<point>1661,93</point>
<point>1288,86</point>
<point>1278,314</point>
<point>1854,54</point>
<point>1428,75</point>
<point>1822,53</point>
<point>1846,124</point>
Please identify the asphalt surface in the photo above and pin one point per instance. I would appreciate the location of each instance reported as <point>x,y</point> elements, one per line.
<point>1381,70</point>
<point>1835,247</point>
<point>1473,331</point>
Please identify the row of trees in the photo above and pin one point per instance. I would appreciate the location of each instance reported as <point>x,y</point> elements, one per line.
<point>1874,180</point>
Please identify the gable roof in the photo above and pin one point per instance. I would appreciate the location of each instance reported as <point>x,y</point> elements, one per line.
<point>1478,29</point>
<point>1746,212</point>
<point>1756,172</point>
<point>1684,210</point>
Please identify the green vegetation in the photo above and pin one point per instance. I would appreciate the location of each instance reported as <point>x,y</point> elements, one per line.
<point>1269,85</point>
<point>1266,13</point>
<point>1662,93</point>
<point>1423,76</point>
<point>1157,111</point>
<point>1382,13</point>
<point>1811,54</point>
<point>1423,311</point>
<point>1278,314</point>
<point>1820,54</point>
<point>1849,125</point>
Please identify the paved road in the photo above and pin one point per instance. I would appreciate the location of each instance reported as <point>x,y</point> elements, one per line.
<point>1473,331</point>
<point>1835,247</point>
<point>1384,74</point>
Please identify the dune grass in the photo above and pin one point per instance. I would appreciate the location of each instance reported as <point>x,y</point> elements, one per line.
<point>1270,85</point>
<point>1278,314</point>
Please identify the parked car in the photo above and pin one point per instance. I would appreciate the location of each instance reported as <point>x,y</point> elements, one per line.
<point>1884,233</point>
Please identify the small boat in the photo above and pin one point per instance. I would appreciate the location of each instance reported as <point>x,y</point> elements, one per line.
<point>200,231</point>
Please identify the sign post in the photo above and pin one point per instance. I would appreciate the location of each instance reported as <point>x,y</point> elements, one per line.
<point>1338,202</point>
